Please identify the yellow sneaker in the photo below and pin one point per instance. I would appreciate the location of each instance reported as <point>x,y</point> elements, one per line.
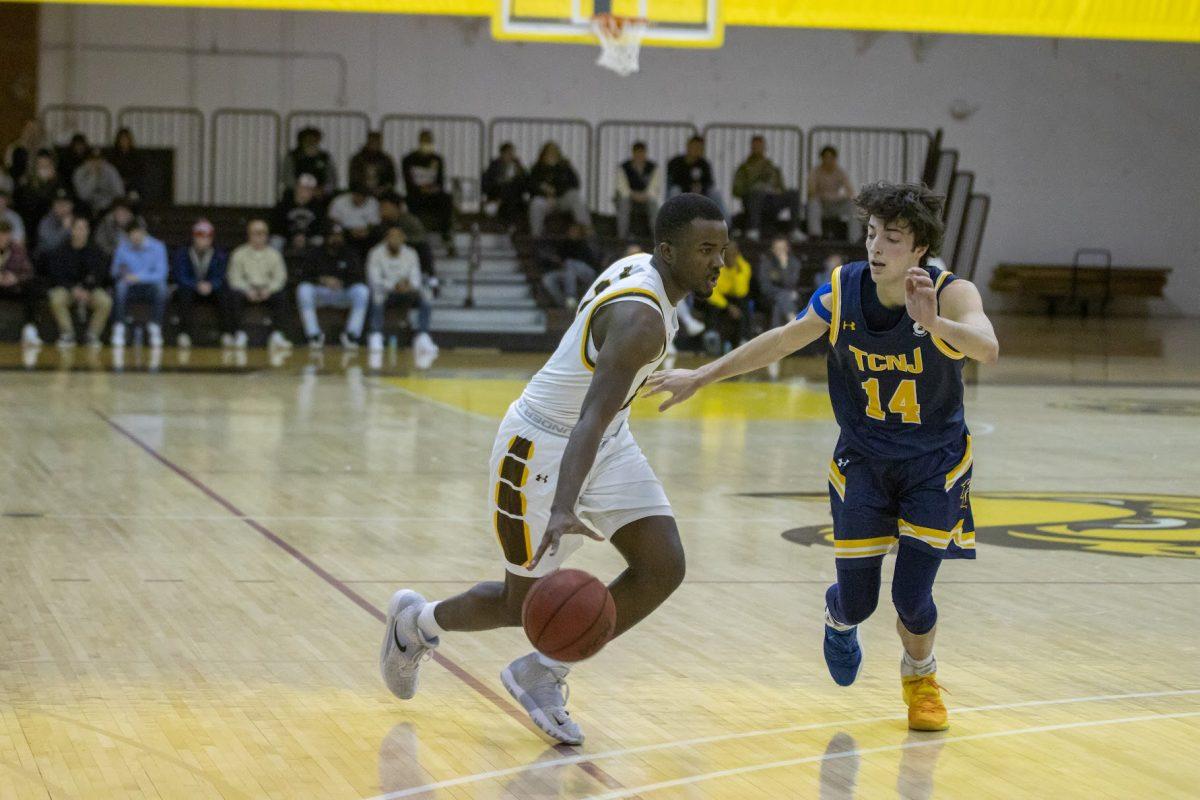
<point>923,695</point>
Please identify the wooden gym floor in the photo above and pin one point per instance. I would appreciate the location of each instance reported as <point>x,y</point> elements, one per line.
<point>194,564</point>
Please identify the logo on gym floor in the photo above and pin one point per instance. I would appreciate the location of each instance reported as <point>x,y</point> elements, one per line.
<point>1094,522</point>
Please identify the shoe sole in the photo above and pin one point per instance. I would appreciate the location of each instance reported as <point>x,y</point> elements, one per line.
<point>399,601</point>
<point>929,728</point>
<point>535,713</point>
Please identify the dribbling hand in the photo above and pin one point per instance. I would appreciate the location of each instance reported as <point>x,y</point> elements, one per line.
<point>560,525</point>
<point>679,383</point>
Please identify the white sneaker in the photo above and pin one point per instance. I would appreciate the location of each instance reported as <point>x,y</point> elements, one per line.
<point>540,689</point>
<point>29,335</point>
<point>118,335</point>
<point>277,341</point>
<point>183,341</point>
<point>227,340</point>
<point>773,370</point>
<point>425,352</point>
<point>154,332</point>
<point>403,648</point>
<point>66,340</point>
<point>240,339</point>
<point>348,341</point>
<point>693,326</point>
<point>375,342</point>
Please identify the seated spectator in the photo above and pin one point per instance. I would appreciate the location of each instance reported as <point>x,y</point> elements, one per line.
<point>393,211</point>
<point>372,168</point>
<point>97,183</point>
<point>395,279</point>
<point>554,186</point>
<point>425,184</point>
<point>307,158</point>
<point>568,265</point>
<point>55,228</point>
<point>728,308</point>
<point>691,172</point>
<point>357,213</point>
<point>139,271</point>
<point>112,227</point>
<point>831,195</point>
<point>778,282</point>
<point>505,183</point>
<point>13,218</point>
<point>127,160</point>
<point>37,189</point>
<point>16,281</point>
<point>77,274</point>
<point>759,184</point>
<point>200,271</point>
<point>73,156</point>
<point>19,155</point>
<point>332,275</point>
<point>639,180</point>
<point>257,275</point>
<point>298,221</point>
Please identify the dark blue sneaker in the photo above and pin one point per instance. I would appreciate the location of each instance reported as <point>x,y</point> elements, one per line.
<point>843,655</point>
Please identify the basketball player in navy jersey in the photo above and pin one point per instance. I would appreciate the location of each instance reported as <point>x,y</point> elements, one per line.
<point>899,331</point>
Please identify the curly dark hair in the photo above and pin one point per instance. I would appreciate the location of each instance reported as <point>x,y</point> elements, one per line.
<point>911,203</point>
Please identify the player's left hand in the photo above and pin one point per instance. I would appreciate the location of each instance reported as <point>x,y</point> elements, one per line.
<point>679,383</point>
<point>920,299</point>
<point>559,526</point>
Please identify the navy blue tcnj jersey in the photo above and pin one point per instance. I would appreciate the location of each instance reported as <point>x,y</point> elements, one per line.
<point>896,394</point>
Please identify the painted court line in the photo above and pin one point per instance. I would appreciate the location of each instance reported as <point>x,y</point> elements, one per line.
<point>793,762</point>
<point>483,689</point>
<point>725,737</point>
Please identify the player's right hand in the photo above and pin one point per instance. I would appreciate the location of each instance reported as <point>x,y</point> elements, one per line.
<point>560,525</point>
<point>679,383</point>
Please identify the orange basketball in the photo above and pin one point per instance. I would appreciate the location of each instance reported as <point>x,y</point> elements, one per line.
<point>569,615</point>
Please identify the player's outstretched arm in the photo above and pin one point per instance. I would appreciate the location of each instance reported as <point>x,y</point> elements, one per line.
<point>764,349</point>
<point>960,321</point>
<point>631,336</point>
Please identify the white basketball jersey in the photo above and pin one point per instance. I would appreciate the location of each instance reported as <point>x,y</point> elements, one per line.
<point>558,389</point>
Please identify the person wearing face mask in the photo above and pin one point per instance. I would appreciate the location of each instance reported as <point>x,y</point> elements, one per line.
<point>424,173</point>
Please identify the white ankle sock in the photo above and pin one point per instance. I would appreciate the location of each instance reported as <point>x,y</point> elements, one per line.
<point>910,666</point>
<point>546,661</point>
<point>837,626</point>
<point>427,623</point>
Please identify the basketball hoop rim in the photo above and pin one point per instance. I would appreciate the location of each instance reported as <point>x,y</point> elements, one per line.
<point>615,24</point>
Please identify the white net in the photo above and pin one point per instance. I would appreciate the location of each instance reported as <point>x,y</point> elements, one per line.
<point>620,42</point>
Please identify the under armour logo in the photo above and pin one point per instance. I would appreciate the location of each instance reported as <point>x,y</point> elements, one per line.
<point>842,462</point>
<point>542,478</point>
<point>919,329</point>
<point>847,326</point>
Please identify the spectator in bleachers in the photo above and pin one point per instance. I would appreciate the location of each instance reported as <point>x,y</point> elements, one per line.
<point>691,172</point>
<point>13,218</point>
<point>17,282</point>
<point>554,186</point>
<point>298,220</point>
<point>505,182</point>
<point>728,308</point>
<point>77,274</point>
<point>372,168</point>
<point>55,228</point>
<point>111,229</point>
<point>97,182</point>
<point>139,271</point>
<point>759,184</point>
<point>831,195</point>
<point>37,188</point>
<point>257,275</point>
<point>19,155</point>
<point>393,211</point>
<point>567,264</point>
<point>307,158</point>
<point>639,181</point>
<point>332,275</point>
<point>357,212</point>
<point>395,277</point>
<point>127,160</point>
<point>425,184</point>
<point>74,156</point>
<point>778,282</point>
<point>200,271</point>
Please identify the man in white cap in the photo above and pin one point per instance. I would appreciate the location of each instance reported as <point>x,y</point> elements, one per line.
<point>199,270</point>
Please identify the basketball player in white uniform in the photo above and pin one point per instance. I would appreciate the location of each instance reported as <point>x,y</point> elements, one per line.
<point>565,466</point>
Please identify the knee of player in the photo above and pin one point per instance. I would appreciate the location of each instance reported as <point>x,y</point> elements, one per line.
<point>916,609</point>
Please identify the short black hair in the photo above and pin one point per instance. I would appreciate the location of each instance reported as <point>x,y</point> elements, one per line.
<point>696,138</point>
<point>677,214</point>
<point>911,203</point>
<point>135,224</point>
<point>829,149</point>
<point>638,146</point>
<point>506,146</point>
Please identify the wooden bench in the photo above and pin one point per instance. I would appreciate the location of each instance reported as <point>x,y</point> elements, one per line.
<point>1079,283</point>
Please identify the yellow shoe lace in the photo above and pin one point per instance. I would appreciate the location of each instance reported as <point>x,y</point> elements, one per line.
<point>926,694</point>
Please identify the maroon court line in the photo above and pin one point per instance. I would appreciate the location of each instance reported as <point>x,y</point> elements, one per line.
<point>470,680</point>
